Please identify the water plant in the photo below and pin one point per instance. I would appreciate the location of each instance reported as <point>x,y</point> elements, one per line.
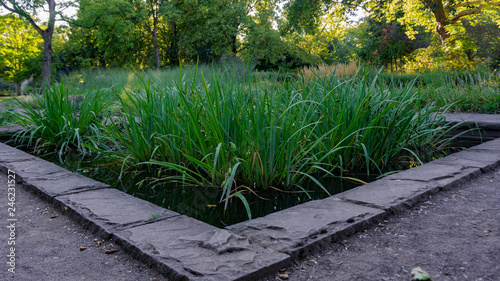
<point>245,138</point>
<point>56,120</point>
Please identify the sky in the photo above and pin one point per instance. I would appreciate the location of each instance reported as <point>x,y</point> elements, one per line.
<point>43,16</point>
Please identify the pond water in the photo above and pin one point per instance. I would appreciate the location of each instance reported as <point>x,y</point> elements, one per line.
<point>201,203</point>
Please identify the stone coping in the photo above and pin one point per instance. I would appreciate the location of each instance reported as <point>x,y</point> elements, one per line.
<point>483,121</point>
<point>183,248</point>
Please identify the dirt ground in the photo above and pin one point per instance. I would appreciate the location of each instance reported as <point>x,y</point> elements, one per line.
<point>47,246</point>
<point>455,235</point>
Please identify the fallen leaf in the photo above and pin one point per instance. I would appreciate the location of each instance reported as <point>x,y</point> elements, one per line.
<point>83,248</point>
<point>111,251</point>
<point>418,274</point>
<point>283,276</point>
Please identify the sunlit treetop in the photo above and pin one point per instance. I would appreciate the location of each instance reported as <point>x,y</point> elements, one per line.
<point>437,14</point>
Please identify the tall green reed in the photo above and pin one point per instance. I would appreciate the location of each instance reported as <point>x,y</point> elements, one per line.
<point>247,137</point>
<point>56,120</point>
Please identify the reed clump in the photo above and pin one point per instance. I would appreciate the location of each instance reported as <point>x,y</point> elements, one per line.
<point>341,70</point>
<point>243,138</point>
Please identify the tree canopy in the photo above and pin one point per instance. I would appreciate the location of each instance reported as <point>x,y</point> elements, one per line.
<point>270,34</point>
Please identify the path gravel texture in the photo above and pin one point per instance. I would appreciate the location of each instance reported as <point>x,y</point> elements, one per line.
<point>454,235</point>
<point>48,245</point>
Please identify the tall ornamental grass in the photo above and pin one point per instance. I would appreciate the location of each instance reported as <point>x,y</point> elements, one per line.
<point>247,137</point>
<point>56,120</point>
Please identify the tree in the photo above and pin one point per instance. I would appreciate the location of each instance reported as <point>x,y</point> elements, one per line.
<point>112,31</point>
<point>484,32</point>
<point>19,46</point>
<point>154,8</point>
<point>23,8</point>
<point>441,14</point>
<point>304,16</point>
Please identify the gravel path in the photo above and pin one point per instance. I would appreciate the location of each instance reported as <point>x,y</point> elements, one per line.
<point>455,235</point>
<point>47,246</point>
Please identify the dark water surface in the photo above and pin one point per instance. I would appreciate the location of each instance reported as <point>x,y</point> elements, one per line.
<point>202,203</point>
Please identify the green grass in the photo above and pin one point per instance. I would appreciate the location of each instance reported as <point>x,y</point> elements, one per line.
<point>54,120</point>
<point>474,92</point>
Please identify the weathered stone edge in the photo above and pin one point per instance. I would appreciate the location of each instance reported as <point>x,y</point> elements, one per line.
<point>465,120</point>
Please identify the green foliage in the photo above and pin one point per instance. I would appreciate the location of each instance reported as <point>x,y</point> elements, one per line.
<point>19,49</point>
<point>473,91</point>
<point>7,110</point>
<point>111,28</point>
<point>60,121</point>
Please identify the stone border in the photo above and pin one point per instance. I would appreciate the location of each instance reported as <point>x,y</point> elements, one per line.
<point>182,248</point>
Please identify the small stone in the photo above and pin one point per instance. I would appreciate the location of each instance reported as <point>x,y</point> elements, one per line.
<point>283,276</point>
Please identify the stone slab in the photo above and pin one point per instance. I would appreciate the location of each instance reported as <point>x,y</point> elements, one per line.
<point>483,159</point>
<point>390,195</point>
<point>10,130</point>
<point>15,155</point>
<point>302,229</point>
<point>428,172</point>
<point>183,248</point>
<point>483,121</point>
<point>9,150</point>
<point>493,145</point>
<point>71,183</point>
<point>109,210</point>
<point>37,169</point>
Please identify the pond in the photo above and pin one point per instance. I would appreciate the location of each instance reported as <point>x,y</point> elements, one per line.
<point>201,203</point>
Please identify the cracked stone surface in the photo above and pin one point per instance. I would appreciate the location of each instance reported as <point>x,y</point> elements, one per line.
<point>472,159</point>
<point>37,169</point>
<point>428,172</point>
<point>71,183</point>
<point>7,156</point>
<point>393,195</point>
<point>192,250</point>
<point>299,229</point>
<point>109,210</point>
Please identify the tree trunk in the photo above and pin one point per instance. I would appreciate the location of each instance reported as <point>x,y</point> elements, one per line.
<point>443,34</point>
<point>18,88</point>
<point>102,62</point>
<point>47,56</point>
<point>174,53</point>
<point>235,50</point>
<point>155,43</point>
